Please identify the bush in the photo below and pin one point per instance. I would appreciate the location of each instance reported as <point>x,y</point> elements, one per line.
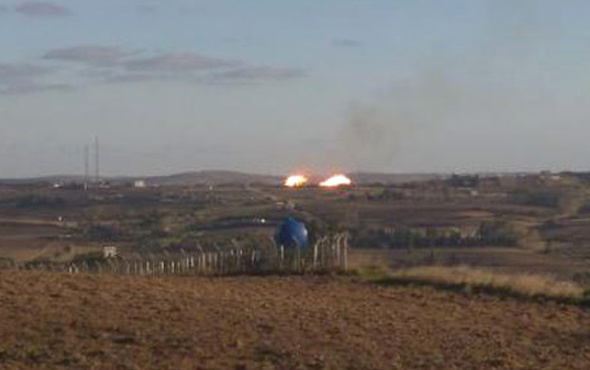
<point>472,278</point>
<point>387,194</point>
<point>582,278</point>
<point>496,233</point>
<point>489,234</point>
<point>103,232</point>
<point>6,263</point>
<point>584,209</point>
<point>535,197</point>
<point>91,257</point>
<point>463,181</point>
<point>33,200</point>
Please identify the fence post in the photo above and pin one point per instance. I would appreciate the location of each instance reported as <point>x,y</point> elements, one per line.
<point>252,260</point>
<point>345,246</point>
<point>315,255</point>
<point>337,246</point>
<point>208,262</point>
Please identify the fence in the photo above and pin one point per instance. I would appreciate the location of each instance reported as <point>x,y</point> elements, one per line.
<point>328,254</point>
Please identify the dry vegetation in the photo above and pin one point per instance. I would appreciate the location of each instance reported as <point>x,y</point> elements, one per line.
<point>525,285</point>
<point>107,322</point>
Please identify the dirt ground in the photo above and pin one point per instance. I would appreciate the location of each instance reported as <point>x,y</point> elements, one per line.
<point>50,320</point>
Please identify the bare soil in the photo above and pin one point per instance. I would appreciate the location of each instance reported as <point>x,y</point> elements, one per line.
<point>112,322</point>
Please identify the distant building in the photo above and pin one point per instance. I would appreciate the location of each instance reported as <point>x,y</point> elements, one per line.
<point>288,205</point>
<point>139,184</point>
<point>109,251</point>
<point>463,181</point>
<point>551,177</point>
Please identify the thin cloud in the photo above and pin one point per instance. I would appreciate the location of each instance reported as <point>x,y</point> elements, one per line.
<point>179,63</point>
<point>346,43</point>
<point>88,54</point>
<point>111,65</point>
<point>41,9</point>
<point>260,73</point>
<point>26,78</point>
<point>31,88</point>
<point>126,77</point>
<point>17,72</point>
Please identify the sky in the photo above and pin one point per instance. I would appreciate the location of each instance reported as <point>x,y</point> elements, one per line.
<point>284,86</point>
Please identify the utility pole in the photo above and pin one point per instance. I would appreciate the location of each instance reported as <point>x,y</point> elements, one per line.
<point>97,161</point>
<point>86,166</point>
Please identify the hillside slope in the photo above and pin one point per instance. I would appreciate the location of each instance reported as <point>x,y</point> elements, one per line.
<point>106,322</point>
<point>213,178</point>
<point>206,177</point>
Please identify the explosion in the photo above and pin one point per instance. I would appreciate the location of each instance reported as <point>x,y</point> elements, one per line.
<point>336,180</point>
<point>295,181</point>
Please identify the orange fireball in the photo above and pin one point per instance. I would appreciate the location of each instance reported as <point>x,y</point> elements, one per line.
<point>336,180</point>
<point>295,181</point>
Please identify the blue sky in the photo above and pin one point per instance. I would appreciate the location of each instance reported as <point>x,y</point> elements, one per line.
<point>282,86</point>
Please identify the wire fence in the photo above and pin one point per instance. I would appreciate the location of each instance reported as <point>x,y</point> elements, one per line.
<point>329,254</point>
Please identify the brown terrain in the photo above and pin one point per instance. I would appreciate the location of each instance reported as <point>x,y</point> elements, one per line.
<point>433,313</point>
<point>51,320</point>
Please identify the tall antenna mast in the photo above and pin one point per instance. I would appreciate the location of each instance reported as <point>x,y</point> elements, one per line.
<point>86,165</point>
<point>97,161</point>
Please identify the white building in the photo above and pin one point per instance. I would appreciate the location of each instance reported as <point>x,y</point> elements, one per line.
<point>109,251</point>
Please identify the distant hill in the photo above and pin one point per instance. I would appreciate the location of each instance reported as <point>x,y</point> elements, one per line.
<point>391,178</point>
<point>217,177</point>
<point>212,178</point>
<point>44,179</point>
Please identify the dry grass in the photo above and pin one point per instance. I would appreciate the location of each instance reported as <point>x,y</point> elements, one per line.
<point>526,285</point>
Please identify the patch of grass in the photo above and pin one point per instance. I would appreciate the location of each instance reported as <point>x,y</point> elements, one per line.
<point>371,272</point>
<point>473,279</point>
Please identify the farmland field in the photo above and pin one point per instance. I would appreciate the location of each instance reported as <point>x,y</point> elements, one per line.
<point>439,222</point>
<point>105,322</point>
<point>102,321</point>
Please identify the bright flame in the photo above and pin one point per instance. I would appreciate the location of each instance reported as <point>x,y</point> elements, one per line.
<point>336,180</point>
<point>295,181</point>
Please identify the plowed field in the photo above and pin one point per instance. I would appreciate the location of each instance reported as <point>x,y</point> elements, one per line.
<point>113,322</point>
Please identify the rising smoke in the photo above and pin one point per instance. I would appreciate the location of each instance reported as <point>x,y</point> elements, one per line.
<point>494,106</point>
